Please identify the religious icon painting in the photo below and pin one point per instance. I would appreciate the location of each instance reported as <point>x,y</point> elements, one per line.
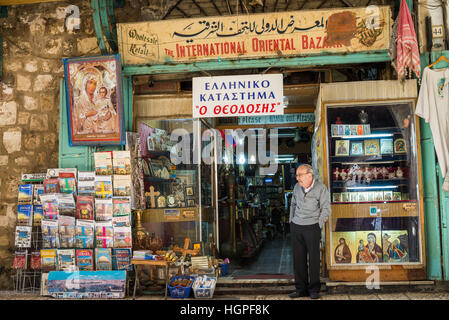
<point>341,130</point>
<point>388,195</point>
<point>353,128</point>
<point>344,247</point>
<point>336,197</point>
<point>395,246</point>
<point>386,146</point>
<point>334,130</point>
<point>366,129</point>
<point>353,197</point>
<point>342,148</point>
<point>344,197</point>
<point>93,90</point>
<point>399,146</point>
<point>372,147</point>
<point>368,247</point>
<point>347,130</point>
<point>357,148</point>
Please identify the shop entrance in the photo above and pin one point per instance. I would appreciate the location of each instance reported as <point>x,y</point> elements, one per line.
<point>254,199</point>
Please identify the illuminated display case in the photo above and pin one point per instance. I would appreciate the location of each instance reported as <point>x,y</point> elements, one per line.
<point>374,180</point>
<point>177,185</point>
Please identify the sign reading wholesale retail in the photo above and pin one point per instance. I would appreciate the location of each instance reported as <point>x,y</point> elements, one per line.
<point>234,96</point>
<point>264,35</point>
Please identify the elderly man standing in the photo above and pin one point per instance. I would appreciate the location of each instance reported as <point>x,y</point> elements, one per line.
<point>309,211</point>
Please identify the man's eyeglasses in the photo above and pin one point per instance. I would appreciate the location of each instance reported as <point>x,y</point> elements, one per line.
<point>301,174</point>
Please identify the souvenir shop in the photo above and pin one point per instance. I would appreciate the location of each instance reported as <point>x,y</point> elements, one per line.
<point>361,138</point>
<point>186,190</point>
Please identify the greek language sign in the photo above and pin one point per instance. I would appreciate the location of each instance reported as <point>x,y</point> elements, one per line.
<point>235,96</point>
<point>274,34</point>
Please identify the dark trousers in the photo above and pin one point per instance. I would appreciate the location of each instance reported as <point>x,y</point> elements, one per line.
<point>306,240</point>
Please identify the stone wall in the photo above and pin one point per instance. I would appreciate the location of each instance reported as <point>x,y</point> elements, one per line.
<point>35,39</point>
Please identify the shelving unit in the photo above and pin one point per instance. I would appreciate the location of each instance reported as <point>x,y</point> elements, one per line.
<point>365,228</point>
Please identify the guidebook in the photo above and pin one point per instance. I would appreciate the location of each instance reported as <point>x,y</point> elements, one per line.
<point>66,232</point>
<point>103,163</point>
<point>25,214</point>
<point>103,209</point>
<point>25,194</point>
<point>84,237</point>
<point>20,259</point>
<point>121,162</point>
<point>104,234</point>
<point>84,260</point>
<point>103,259</point>
<point>48,259</point>
<point>50,206</point>
<point>86,183</point>
<point>51,185</point>
<point>122,258</point>
<point>66,205</point>
<point>121,206</point>
<point>85,207</point>
<point>122,186</point>
<point>50,233</point>
<point>67,182</point>
<point>38,214</point>
<point>23,237</point>
<point>103,187</point>
<point>122,237</point>
<point>66,260</point>
<point>35,260</point>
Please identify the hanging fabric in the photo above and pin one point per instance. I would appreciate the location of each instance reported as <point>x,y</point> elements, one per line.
<point>407,44</point>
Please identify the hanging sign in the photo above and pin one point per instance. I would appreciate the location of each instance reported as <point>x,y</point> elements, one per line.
<point>235,96</point>
<point>264,35</point>
<point>279,119</point>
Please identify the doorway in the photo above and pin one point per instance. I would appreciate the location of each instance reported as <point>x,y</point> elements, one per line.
<point>254,198</point>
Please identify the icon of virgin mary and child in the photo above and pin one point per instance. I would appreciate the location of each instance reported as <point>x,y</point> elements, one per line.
<point>369,253</point>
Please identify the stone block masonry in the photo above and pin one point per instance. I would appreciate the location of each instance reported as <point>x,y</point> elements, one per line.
<point>35,40</point>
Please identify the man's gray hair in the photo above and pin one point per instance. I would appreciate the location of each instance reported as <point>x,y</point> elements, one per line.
<point>309,168</point>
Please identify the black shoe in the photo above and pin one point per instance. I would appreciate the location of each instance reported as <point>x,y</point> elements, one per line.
<point>296,294</point>
<point>314,295</point>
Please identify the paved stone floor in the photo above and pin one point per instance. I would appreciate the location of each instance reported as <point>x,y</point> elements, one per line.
<point>9,295</point>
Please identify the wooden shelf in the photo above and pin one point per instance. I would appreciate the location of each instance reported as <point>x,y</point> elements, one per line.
<point>159,215</point>
<point>362,210</point>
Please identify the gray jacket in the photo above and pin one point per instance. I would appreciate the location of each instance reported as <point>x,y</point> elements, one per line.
<point>311,207</point>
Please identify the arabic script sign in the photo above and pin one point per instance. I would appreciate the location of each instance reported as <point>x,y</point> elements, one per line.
<point>235,96</point>
<point>258,35</point>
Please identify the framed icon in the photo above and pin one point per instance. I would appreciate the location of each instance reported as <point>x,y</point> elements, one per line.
<point>400,146</point>
<point>189,191</point>
<point>94,98</point>
<point>190,202</point>
<point>334,130</point>
<point>353,128</point>
<point>372,147</point>
<point>357,148</point>
<point>342,148</point>
<point>386,146</point>
<point>336,197</point>
<point>347,130</point>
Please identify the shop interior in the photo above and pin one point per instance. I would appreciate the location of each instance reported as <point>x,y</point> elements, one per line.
<point>235,211</point>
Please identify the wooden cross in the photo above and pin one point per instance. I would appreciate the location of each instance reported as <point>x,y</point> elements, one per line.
<point>152,195</point>
<point>186,249</point>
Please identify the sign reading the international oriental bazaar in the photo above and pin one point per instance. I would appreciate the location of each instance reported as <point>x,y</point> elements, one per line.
<point>274,34</point>
<point>234,96</point>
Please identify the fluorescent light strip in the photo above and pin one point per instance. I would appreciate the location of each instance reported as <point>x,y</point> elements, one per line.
<point>382,187</point>
<point>378,135</point>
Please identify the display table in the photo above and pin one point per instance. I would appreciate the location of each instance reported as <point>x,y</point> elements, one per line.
<point>160,263</point>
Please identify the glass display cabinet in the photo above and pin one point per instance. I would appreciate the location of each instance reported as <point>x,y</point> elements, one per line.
<point>373,171</point>
<point>178,187</point>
